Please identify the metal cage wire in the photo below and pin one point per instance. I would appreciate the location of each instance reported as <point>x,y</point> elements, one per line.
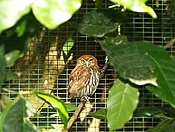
<point>40,67</point>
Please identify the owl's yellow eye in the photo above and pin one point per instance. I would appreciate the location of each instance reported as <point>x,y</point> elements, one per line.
<point>83,62</point>
<point>91,60</point>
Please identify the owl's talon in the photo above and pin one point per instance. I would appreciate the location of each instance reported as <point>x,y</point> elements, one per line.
<point>85,98</point>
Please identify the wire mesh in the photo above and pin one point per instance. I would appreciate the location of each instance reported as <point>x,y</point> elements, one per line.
<point>44,68</point>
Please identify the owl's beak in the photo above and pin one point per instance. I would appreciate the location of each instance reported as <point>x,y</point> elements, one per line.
<point>87,63</point>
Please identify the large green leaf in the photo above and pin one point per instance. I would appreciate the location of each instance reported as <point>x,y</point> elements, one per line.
<point>137,6</point>
<point>14,117</point>
<point>165,66</point>
<point>52,13</point>
<point>57,104</point>
<point>11,11</point>
<point>2,64</point>
<point>97,23</point>
<point>121,103</point>
<point>131,60</point>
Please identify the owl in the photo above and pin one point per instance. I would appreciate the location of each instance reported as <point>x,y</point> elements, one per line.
<point>84,78</point>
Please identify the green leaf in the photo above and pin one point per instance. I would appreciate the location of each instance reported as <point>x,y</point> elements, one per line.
<point>148,111</point>
<point>11,11</point>
<point>4,101</point>
<point>132,60</point>
<point>12,56</point>
<point>57,104</point>
<point>100,114</point>
<point>14,117</point>
<point>16,42</point>
<point>2,64</point>
<point>99,3</point>
<point>137,6</point>
<point>68,45</point>
<point>21,27</point>
<point>121,103</point>
<point>165,67</point>
<point>103,21</point>
<point>10,75</point>
<point>70,107</point>
<point>164,126</point>
<point>52,13</point>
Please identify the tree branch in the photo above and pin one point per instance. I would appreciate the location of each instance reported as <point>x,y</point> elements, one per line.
<point>76,113</point>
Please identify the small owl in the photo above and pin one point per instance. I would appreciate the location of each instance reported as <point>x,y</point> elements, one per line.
<point>84,78</point>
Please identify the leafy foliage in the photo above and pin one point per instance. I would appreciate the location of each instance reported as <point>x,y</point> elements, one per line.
<point>139,62</point>
<point>137,6</point>
<point>68,45</point>
<point>52,13</point>
<point>11,11</point>
<point>131,60</point>
<point>165,78</point>
<point>100,114</point>
<point>103,21</point>
<point>14,117</point>
<point>164,126</point>
<point>121,103</point>
<point>2,65</point>
<point>57,104</point>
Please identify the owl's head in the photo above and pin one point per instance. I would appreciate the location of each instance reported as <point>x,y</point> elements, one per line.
<point>87,60</point>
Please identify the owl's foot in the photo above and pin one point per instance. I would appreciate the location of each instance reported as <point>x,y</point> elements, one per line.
<point>85,98</point>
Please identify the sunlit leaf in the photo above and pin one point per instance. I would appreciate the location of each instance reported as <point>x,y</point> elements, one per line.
<point>100,114</point>
<point>11,11</point>
<point>131,59</point>
<point>52,13</point>
<point>14,117</point>
<point>12,56</point>
<point>103,21</point>
<point>57,104</point>
<point>121,103</point>
<point>2,64</point>
<point>68,45</point>
<point>21,28</point>
<point>137,6</point>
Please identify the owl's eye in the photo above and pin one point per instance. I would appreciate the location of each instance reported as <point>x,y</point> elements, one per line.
<point>83,62</point>
<point>91,60</point>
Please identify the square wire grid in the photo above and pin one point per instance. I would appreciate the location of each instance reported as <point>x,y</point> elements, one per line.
<point>44,69</point>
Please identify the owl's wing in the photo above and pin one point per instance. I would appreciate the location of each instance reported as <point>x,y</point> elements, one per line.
<point>78,79</point>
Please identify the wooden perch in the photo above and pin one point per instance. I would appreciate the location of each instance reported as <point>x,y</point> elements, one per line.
<point>76,113</point>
